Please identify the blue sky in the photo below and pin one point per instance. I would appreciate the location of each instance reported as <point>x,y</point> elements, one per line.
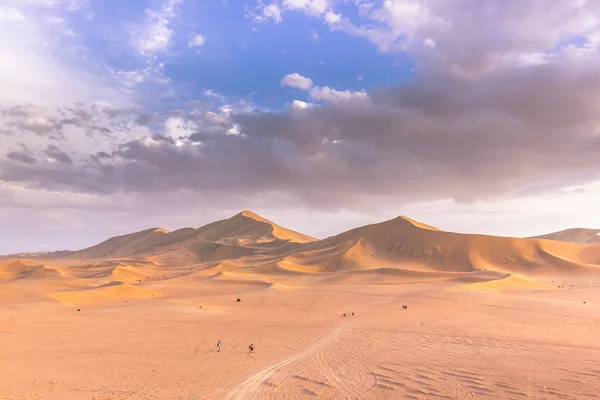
<point>474,116</point>
<point>240,58</point>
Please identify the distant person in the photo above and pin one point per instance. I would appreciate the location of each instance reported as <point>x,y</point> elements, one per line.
<point>219,346</point>
<point>251,347</point>
<point>353,314</point>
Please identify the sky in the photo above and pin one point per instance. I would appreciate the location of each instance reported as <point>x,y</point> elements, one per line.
<point>478,116</point>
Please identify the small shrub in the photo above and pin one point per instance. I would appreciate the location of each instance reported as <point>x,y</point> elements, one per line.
<point>79,309</point>
<point>238,300</point>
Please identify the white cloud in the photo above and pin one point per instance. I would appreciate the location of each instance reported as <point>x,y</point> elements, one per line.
<point>234,130</point>
<point>179,129</point>
<point>296,80</point>
<point>157,32</point>
<point>213,94</point>
<point>226,109</point>
<point>272,11</point>
<point>466,34</point>
<point>332,18</point>
<point>311,7</point>
<point>301,105</point>
<point>326,93</point>
<point>429,42</point>
<point>532,59</point>
<point>262,13</point>
<point>11,14</point>
<point>196,40</point>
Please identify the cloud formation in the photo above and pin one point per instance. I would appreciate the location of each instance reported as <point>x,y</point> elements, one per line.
<point>297,81</point>
<point>526,129</point>
<point>196,40</point>
<point>157,31</point>
<point>500,101</point>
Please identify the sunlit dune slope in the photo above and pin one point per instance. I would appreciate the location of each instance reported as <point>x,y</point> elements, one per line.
<point>509,282</point>
<point>125,245</point>
<point>575,235</point>
<point>110,292</point>
<point>404,243</point>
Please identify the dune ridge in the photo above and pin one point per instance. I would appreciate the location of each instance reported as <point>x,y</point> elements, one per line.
<point>252,248</point>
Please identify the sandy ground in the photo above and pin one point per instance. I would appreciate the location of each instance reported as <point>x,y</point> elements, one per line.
<point>138,316</point>
<point>463,343</point>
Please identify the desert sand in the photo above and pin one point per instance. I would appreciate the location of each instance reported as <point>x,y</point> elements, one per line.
<point>138,316</point>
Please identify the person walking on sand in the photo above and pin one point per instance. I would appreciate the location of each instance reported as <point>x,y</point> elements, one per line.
<point>251,347</point>
<point>219,346</point>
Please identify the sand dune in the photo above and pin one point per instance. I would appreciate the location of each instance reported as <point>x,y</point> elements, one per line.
<point>488,317</point>
<point>241,235</point>
<point>250,247</point>
<point>575,235</point>
<point>114,291</point>
<point>504,283</point>
<point>122,246</point>
<point>248,244</point>
<point>403,243</point>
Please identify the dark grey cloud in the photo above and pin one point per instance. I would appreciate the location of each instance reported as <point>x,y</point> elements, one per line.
<point>22,110</point>
<point>94,119</point>
<point>55,153</point>
<point>22,156</point>
<point>521,131</point>
<point>116,112</point>
<point>143,119</point>
<point>39,126</point>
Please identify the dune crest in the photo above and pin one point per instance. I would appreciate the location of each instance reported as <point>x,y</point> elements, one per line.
<point>279,231</point>
<point>574,235</point>
<point>419,224</point>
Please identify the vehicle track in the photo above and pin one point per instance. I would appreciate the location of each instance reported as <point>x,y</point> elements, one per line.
<point>250,388</point>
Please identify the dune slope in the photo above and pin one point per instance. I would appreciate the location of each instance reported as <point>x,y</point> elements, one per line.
<point>404,243</point>
<point>575,235</point>
<point>238,236</point>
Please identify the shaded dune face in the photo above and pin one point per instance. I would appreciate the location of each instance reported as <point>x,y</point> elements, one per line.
<point>248,250</point>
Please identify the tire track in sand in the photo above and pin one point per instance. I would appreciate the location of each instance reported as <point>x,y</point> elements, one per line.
<point>250,388</point>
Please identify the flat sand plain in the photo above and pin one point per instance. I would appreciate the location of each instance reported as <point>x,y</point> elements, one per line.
<point>452,342</point>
